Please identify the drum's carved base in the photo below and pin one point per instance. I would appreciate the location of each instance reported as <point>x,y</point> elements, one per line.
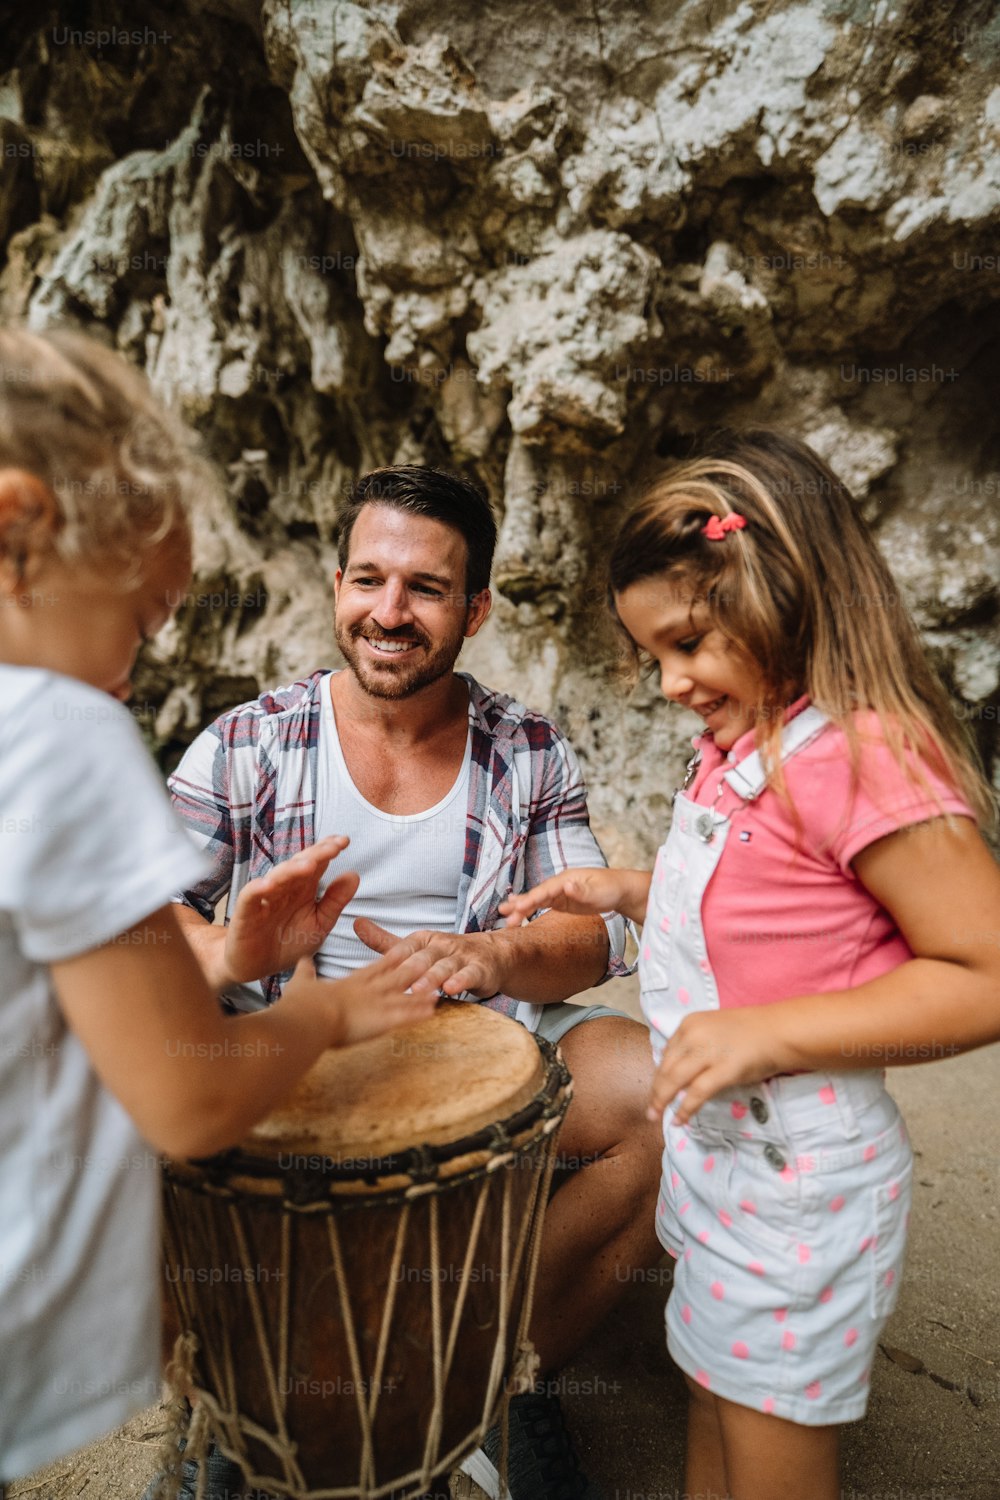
<point>356,1341</point>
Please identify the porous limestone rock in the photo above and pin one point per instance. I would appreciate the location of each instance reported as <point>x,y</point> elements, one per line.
<point>547,249</point>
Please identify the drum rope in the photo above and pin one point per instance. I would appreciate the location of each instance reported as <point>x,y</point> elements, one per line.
<point>285,1447</point>
<point>500,1349</point>
<point>390,1307</point>
<point>474,1232</point>
<point>284,1300</point>
<point>436,1422</point>
<point>343,1293</point>
<point>526,1361</point>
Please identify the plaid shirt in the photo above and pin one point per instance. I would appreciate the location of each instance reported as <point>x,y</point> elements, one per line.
<point>246,790</point>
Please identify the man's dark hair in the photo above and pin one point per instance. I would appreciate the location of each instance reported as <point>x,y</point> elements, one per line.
<point>428,492</point>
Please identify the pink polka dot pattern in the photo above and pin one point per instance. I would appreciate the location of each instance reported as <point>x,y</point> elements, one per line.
<point>826,1295</point>
<point>684,918</point>
<point>787,1340</point>
<point>683,996</point>
<point>787,1174</point>
<point>708,1165</point>
<point>756,1267</point>
<point>718,1290</point>
<point>703,1378</point>
<point>814,1390</point>
<point>704,1237</point>
<point>828,1094</point>
<point>869,1153</point>
<point>767,1405</point>
<point>664,924</point>
<point>890,1278</point>
<point>686,1313</point>
<point>894,1191</point>
<point>737,1110</point>
<point>748,1206</point>
<point>646,954</point>
<point>740,1350</point>
<point>780,1314</point>
<point>726,1220</point>
<point>804,1254</point>
<point>851,1337</point>
<point>836,1204</point>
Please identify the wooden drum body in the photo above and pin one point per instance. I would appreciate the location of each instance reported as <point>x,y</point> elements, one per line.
<point>357,1275</point>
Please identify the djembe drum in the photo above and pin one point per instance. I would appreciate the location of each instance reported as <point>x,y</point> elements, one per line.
<point>357,1275</point>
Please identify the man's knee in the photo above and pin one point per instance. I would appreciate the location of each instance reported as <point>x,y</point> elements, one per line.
<point>612,1068</point>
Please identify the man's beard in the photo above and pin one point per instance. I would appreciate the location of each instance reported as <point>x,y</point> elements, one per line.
<point>395,679</point>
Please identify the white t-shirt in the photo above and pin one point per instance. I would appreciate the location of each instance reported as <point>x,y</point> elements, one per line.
<point>88,847</point>
<point>410,863</point>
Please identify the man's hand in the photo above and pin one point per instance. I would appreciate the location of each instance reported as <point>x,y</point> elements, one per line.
<point>278,920</point>
<point>459,961</point>
<point>715,1050</point>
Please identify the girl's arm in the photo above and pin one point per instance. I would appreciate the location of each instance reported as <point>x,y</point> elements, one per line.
<point>192,1079</point>
<point>940,884</point>
<point>583,892</point>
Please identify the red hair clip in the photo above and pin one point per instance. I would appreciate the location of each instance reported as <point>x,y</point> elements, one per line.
<point>719,525</point>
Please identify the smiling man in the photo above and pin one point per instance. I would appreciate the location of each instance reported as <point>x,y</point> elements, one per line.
<point>454,797</point>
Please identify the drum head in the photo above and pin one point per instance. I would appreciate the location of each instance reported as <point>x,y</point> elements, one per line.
<point>442,1079</point>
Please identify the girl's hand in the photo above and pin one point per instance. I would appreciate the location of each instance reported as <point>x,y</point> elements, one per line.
<point>370,1001</point>
<point>278,920</point>
<point>715,1050</point>
<point>583,893</point>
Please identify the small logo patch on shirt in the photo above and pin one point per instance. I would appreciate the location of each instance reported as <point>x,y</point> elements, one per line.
<point>745,836</point>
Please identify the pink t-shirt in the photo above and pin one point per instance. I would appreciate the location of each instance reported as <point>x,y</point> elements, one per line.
<point>781,922</point>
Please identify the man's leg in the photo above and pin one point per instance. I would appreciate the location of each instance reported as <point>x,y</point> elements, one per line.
<point>599,1224</point>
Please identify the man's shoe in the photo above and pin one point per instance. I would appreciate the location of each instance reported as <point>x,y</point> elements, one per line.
<point>223,1479</point>
<point>541,1460</point>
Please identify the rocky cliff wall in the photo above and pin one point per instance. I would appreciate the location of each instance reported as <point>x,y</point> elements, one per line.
<point>542,243</point>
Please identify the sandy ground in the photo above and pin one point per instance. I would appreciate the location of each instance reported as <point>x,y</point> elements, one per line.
<point>933,1428</point>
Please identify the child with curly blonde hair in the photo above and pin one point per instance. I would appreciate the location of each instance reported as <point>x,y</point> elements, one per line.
<point>112,1045</point>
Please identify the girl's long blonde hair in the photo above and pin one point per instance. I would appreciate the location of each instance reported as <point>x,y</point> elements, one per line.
<point>804,593</point>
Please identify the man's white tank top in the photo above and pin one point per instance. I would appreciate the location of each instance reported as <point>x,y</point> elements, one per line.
<point>410,864</point>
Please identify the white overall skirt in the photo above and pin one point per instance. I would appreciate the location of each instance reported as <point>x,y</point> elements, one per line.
<point>785,1202</point>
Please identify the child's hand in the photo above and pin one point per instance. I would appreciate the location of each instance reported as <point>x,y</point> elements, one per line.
<point>278,920</point>
<point>582,893</point>
<point>368,1002</point>
<point>715,1050</point>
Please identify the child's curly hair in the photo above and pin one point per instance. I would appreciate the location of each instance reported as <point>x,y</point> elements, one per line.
<point>121,468</point>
